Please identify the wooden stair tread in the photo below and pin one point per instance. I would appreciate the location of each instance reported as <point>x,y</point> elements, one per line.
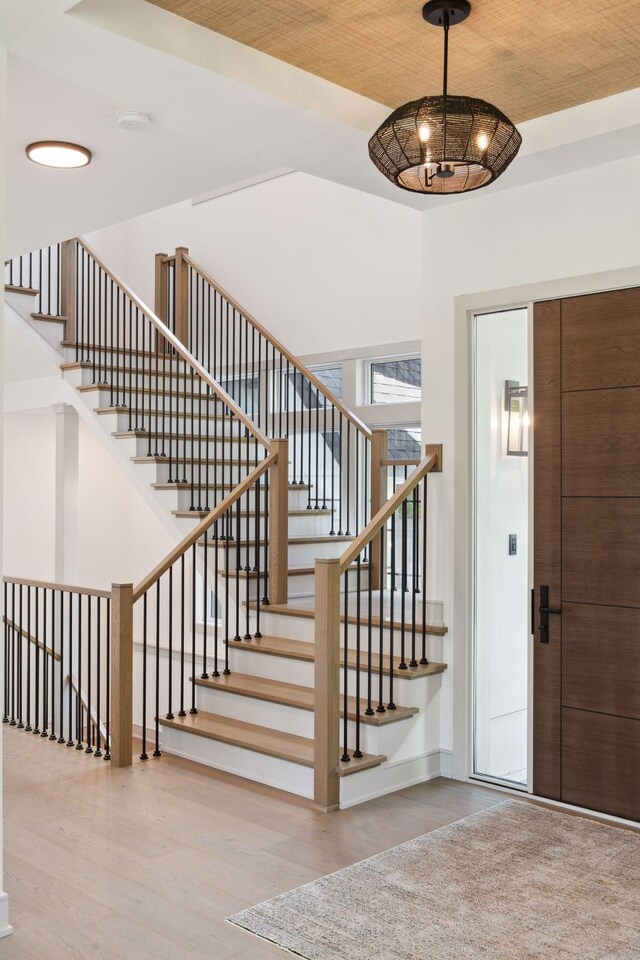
<point>12,288</point>
<point>293,571</point>
<point>144,371</point>
<point>301,650</point>
<point>165,458</point>
<point>187,485</point>
<point>252,513</point>
<point>250,736</point>
<point>292,540</point>
<point>144,434</point>
<point>50,317</point>
<point>183,414</point>
<point>308,613</point>
<point>153,391</point>
<point>295,695</point>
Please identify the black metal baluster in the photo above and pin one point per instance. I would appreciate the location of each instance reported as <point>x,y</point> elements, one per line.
<point>369,709</point>
<point>182,712</point>
<point>204,675</point>
<point>170,705</point>
<point>5,704</point>
<point>357,752</point>
<point>256,539</point>
<point>403,581</point>
<point>36,636</point>
<point>340,489</point>
<point>45,669</point>
<point>70,673</point>
<point>317,432</point>
<point>383,579</point>
<point>61,738</point>
<point>423,658</point>
<point>238,545</point>
<point>144,755</point>
<point>52,735</point>
<point>193,630</point>
<point>392,586</point>
<point>79,736</point>
<point>14,646</point>
<point>348,487</point>
<point>96,740</point>
<point>156,751</point>
<point>345,681</point>
<point>20,724</point>
<point>265,598</point>
<point>107,724</point>
<point>413,662</point>
<point>28,638</point>
<point>216,672</point>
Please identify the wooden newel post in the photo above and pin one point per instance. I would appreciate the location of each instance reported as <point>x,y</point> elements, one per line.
<point>326,780</point>
<point>379,446</point>
<point>181,293</point>
<point>279,524</point>
<point>68,271</point>
<point>161,287</point>
<point>121,674</point>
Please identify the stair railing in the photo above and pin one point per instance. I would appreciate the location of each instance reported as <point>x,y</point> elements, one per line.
<point>329,447</point>
<point>366,636</point>
<point>41,273</point>
<point>163,393</point>
<point>191,592</point>
<point>57,669</point>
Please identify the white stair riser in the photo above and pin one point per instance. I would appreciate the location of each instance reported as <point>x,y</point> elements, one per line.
<point>299,525</point>
<point>300,554</point>
<point>243,763</point>
<point>103,360</point>
<point>84,376</point>
<point>137,446</point>
<point>385,739</point>
<point>104,396</point>
<point>179,426</point>
<point>183,495</point>
<point>303,628</point>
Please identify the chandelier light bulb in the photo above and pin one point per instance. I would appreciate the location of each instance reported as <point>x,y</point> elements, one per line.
<point>424,132</point>
<point>483,141</point>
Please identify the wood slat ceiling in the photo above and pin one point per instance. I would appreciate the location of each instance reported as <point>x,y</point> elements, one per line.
<point>528,57</point>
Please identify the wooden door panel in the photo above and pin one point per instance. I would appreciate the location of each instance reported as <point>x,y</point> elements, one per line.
<point>600,767</point>
<point>601,550</point>
<point>601,340</point>
<point>608,466</point>
<point>601,659</point>
<point>547,546</point>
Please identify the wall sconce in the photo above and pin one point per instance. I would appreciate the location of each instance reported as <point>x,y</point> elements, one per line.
<point>515,403</point>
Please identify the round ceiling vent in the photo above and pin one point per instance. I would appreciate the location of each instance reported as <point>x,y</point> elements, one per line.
<point>133,120</point>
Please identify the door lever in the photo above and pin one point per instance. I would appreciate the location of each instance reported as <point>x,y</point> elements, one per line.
<point>544,609</point>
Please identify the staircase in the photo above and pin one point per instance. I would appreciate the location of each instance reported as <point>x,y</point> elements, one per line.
<point>287,638</point>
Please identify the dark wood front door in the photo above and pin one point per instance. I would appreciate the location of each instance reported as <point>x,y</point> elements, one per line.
<point>586,433</point>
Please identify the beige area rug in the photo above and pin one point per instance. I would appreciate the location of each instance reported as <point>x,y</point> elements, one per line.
<point>513,882</point>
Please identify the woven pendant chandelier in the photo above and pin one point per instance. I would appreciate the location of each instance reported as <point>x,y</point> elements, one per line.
<point>444,144</point>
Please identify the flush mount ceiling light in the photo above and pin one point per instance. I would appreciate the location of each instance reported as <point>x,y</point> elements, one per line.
<point>444,144</point>
<point>58,153</point>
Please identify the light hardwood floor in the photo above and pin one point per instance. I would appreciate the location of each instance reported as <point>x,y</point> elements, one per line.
<point>145,863</point>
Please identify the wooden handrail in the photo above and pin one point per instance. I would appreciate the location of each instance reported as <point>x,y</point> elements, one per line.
<point>300,367</point>
<point>204,525</point>
<point>429,463</point>
<point>180,349</point>
<point>64,587</point>
<point>399,463</point>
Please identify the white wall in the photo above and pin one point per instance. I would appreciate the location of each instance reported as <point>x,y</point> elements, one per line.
<point>119,537</point>
<point>322,266</point>
<point>4,902</point>
<point>582,223</point>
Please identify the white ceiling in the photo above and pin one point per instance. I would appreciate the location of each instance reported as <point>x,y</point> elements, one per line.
<point>222,113</point>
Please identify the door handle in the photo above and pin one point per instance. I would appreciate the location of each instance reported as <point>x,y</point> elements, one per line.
<point>544,610</point>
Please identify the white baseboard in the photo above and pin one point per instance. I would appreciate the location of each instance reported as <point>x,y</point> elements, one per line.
<point>389,778</point>
<point>5,926</point>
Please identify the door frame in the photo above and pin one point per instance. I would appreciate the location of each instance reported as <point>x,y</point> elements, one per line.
<point>465,307</point>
